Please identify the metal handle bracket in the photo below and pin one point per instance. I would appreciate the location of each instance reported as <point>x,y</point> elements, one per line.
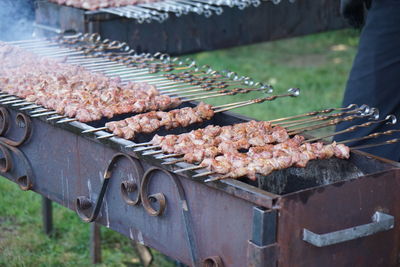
<point>380,222</point>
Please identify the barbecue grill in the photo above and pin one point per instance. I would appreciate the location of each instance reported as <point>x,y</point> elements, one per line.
<point>331,213</point>
<point>180,34</point>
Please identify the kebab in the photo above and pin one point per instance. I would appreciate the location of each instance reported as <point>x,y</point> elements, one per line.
<point>151,121</point>
<point>96,4</point>
<point>72,90</point>
<point>236,165</point>
<point>214,140</point>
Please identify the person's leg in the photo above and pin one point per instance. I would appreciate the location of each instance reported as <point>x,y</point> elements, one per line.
<point>375,77</point>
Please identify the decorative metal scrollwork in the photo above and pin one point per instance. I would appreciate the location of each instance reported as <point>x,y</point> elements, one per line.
<point>21,120</point>
<point>4,120</point>
<point>84,205</point>
<point>88,209</point>
<point>9,147</point>
<point>160,198</point>
<point>214,261</point>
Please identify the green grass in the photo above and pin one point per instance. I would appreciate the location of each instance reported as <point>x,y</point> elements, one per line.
<point>311,63</point>
<point>317,64</point>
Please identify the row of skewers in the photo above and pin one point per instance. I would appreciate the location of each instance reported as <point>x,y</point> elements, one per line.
<point>89,96</point>
<point>257,148</point>
<point>158,10</point>
<point>273,145</point>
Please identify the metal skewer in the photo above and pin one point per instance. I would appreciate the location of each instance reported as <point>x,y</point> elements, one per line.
<point>392,141</point>
<point>153,153</point>
<point>170,156</point>
<point>189,169</point>
<point>390,119</point>
<point>139,144</point>
<point>313,113</point>
<point>373,135</point>
<point>288,124</point>
<point>95,130</point>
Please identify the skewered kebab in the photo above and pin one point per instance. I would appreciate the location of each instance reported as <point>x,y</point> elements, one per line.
<point>236,165</point>
<point>96,4</point>
<point>214,140</point>
<point>72,90</point>
<point>151,121</point>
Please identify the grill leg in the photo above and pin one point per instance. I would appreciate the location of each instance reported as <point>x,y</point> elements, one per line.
<point>144,253</point>
<point>47,214</point>
<point>95,243</point>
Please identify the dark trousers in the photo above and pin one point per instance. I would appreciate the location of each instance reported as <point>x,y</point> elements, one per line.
<point>375,77</point>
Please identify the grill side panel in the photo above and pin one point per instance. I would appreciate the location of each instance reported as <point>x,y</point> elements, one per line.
<point>336,207</point>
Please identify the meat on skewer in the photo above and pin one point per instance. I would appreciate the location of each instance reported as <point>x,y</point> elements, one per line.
<point>96,4</point>
<point>236,165</point>
<point>151,121</point>
<point>214,140</point>
<point>72,90</point>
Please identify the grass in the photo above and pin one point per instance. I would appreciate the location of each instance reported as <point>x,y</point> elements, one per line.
<point>318,64</point>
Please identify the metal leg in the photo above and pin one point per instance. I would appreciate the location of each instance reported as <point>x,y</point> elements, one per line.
<point>47,213</point>
<point>95,243</point>
<point>144,253</point>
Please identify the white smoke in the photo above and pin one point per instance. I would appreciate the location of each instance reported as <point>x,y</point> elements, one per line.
<point>16,19</point>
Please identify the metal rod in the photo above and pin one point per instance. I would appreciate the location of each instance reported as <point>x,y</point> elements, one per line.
<point>44,114</point>
<point>373,135</point>
<point>95,130</point>
<point>391,119</point>
<point>288,124</point>
<point>189,169</point>
<point>47,215</point>
<point>153,153</point>
<point>22,104</point>
<point>56,118</point>
<point>106,136</point>
<point>67,120</point>
<point>30,107</point>
<point>203,174</point>
<point>214,179</point>
<point>173,162</point>
<point>14,101</point>
<point>325,124</point>
<point>313,113</point>
<point>260,100</point>
<point>392,141</point>
<point>8,99</point>
<point>146,148</point>
<point>138,144</point>
<point>39,110</point>
<point>170,156</point>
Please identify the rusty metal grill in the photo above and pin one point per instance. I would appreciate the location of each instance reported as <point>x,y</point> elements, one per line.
<point>161,10</point>
<point>175,77</point>
<point>268,222</point>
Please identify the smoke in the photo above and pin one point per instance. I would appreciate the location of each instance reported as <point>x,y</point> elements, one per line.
<point>16,19</point>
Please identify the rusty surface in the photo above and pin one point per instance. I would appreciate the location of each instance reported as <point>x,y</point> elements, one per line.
<point>198,221</point>
<point>335,207</point>
<point>71,165</point>
<point>262,256</point>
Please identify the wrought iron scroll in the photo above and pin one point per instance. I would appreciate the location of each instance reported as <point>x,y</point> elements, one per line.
<point>89,210</point>
<point>9,147</point>
<point>214,261</point>
<point>160,198</point>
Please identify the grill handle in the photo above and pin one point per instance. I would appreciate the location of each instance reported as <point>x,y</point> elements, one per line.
<point>380,222</point>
